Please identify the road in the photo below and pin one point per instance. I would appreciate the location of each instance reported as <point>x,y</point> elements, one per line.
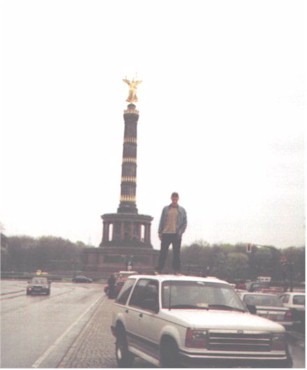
<point>31,326</point>
<point>68,329</point>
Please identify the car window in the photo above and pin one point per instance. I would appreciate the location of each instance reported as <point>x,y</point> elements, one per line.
<point>285,298</point>
<point>125,291</point>
<point>39,280</point>
<point>145,294</point>
<point>262,300</point>
<point>299,299</point>
<point>194,294</point>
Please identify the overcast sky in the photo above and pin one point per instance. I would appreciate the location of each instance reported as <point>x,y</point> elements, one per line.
<point>221,116</point>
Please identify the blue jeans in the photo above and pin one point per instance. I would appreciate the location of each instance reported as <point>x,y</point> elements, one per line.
<point>166,241</point>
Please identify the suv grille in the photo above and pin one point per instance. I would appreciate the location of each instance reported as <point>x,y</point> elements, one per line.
<point>235,341</point>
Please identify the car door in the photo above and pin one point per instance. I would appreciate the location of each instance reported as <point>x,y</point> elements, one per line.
<point>143,307</point>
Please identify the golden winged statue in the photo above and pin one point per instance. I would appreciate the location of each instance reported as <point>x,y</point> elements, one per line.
<point>132,98</point>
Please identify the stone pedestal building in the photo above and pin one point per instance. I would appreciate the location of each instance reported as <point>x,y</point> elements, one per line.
<point>126,236</point>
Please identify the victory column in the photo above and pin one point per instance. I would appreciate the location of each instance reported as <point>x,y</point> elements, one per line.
<point>126,236</point>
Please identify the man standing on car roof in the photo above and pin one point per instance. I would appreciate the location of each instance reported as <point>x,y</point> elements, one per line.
<point>173,223</point>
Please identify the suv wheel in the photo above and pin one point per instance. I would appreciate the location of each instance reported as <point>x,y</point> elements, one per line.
<point>123,357</point>
<point>169,356</point>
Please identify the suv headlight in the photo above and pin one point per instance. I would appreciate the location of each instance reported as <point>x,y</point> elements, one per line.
<point>196,338</point>
<point>279,342</point>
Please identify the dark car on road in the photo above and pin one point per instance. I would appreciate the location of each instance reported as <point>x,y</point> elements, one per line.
<point>38,285</point>
<point>255,286</point>
<point>119,278</point>
<point>82,279</point>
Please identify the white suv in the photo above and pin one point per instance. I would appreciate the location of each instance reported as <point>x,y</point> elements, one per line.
<point>173,321</point>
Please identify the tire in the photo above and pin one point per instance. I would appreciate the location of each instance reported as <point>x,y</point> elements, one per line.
<point>169,355</point>
<point>123,357</point>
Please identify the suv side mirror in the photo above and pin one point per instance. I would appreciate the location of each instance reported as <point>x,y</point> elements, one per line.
<point>252,309</point>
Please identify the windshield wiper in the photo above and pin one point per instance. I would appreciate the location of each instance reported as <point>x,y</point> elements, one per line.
<point>188,306</point>
<point>225,307</point>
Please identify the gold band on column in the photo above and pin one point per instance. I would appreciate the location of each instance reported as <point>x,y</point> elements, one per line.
<point>127,198</point>
<point>129,179</point>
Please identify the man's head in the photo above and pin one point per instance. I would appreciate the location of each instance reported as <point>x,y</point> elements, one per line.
<point>174,198</point>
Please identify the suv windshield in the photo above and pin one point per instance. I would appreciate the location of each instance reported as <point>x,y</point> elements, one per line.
<point>200,295</point>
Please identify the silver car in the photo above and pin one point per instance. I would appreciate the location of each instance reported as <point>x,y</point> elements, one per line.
<point>295,301</point>
<point>269,306</point>
<point>38,285</point>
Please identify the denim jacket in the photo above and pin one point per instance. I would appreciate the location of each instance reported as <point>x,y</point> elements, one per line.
<point>181,220</point>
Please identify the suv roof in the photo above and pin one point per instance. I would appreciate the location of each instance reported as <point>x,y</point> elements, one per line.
<point>165,277</point>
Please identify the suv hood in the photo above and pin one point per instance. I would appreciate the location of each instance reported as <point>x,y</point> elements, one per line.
<point>215,319</point>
